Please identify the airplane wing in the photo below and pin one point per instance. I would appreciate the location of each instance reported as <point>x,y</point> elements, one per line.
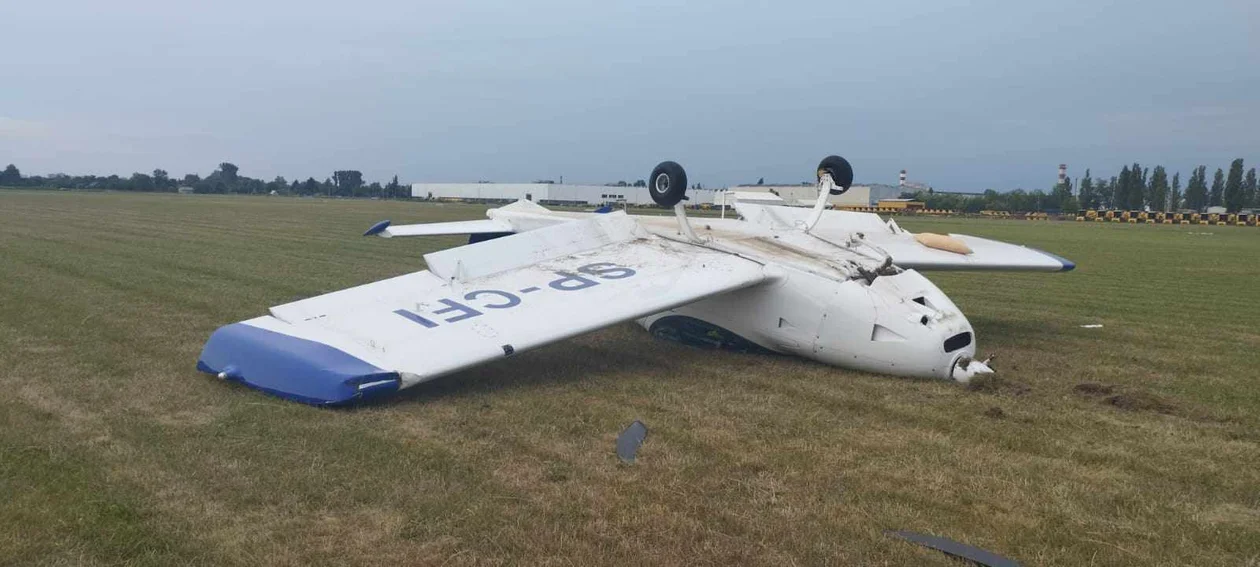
<point>475,304</point>
<point>924,251</point>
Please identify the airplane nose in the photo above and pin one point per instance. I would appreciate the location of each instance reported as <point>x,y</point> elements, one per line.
<point>900,324</point>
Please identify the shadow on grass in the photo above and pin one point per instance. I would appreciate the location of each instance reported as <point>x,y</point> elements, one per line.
<point>567,362</point>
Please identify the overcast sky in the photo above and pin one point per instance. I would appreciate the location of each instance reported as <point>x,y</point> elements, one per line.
<point>965,95</point>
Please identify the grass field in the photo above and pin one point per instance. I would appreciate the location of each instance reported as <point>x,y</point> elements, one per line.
<point>1137,443</point>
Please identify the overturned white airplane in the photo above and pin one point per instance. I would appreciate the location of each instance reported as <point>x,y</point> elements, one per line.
<point>834,286</point>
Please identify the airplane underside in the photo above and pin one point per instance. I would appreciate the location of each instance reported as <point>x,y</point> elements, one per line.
<point>698,333</point>
<point>898,324</point>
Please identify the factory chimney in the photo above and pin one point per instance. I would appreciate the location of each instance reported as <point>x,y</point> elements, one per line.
<point>1062,173</point>
<point>902,181</point>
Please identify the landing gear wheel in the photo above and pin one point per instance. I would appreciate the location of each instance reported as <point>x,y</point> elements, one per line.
<point>667,184</point>
<point>841,173</point>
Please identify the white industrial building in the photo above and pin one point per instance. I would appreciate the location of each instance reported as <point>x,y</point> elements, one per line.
<point>805,195</point>
<point>585,195</point>
<point>546,193</point>
<point>730,197</point>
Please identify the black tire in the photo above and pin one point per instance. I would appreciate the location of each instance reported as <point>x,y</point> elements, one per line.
<point>667,184</point>
<point>840,170</point>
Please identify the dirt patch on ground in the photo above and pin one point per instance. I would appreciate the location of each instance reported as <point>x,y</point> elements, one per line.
<point>994,384</point>
<point>1094,389</point>
<point>1141,401</point>
<point>995,413</point>
<point>1128,401</point>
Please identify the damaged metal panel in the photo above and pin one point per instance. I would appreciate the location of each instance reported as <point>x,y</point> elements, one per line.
<point>629,441</point>
<point>955,549</point>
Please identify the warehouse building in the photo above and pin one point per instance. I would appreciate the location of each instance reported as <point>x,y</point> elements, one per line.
<point>559,194</point>
<point>545,193</point>
<point>806,195</point>
<point>731,196</point>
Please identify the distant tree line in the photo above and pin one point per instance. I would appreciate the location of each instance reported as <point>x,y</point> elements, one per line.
<point>223,180</point>
<point>1134,188</point>
<point>639,183</point>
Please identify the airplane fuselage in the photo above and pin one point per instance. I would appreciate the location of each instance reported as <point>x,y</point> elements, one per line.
<point>834,302</point>
<point>898,324</point>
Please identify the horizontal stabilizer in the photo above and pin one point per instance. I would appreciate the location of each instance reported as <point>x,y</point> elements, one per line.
<point>984,254</point>
<point>908,250</point>
<point>385,230</point>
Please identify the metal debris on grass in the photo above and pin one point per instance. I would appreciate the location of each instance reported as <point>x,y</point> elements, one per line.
<point>629,441</point>
<point>955,549</point>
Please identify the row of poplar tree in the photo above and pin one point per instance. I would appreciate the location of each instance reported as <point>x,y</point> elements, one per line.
<point>1136,188</point>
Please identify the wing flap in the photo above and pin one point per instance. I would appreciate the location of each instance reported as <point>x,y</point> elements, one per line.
<point>835,221</point>
<point>556,241</point>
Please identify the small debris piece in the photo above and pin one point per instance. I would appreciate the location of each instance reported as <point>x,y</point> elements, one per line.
<point>1092,326</point>
<point>995,413</point>
<point>629,441</point>
<point>955,549</point>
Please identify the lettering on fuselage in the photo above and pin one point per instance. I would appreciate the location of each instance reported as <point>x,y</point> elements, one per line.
<point>475,303</point>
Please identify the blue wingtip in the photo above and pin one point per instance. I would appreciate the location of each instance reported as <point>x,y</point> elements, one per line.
<point>1068,265</point>
<point>604,209</point>
<point>377,228</point>
<point>293,368</point>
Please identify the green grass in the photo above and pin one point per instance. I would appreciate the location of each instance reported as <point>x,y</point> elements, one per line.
<point>113,449</point>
